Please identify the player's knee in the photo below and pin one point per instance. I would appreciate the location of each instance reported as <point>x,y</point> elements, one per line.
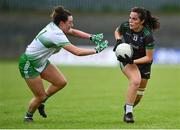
<point>41,98</point>
<point>64,83</point>
<point>136,83</point>
<point>61,83</point>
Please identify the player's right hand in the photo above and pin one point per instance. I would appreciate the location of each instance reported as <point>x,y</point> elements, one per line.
<point>97,38</point>
<point>101,46</point>
<point>118,41</point>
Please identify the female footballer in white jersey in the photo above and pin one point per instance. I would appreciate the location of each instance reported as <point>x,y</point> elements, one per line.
<point>35,66</point>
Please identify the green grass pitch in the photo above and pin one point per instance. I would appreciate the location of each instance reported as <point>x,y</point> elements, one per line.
<point>93,99</point>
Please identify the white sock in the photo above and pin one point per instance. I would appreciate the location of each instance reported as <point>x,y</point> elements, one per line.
<point>129,108</point>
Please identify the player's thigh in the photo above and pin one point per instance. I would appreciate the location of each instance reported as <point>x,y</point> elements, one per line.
<point>53,75</point>
<point>132,72</point>
<point>36,86</point>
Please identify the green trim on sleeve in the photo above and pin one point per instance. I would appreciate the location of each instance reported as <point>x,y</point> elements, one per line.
<point>150,46</point>
<point>46,42</point>
<point>62,44</point>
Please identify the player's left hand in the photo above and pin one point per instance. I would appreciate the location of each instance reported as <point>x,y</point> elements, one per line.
<point>127,59</point>
<point>101,46</point>
<point>97,38</point>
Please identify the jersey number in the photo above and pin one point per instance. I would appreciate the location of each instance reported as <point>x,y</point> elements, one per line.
<point>135,37</point>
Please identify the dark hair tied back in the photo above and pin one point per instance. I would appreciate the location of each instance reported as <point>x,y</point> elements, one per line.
<point>149,20</point>
<point>60,14</point>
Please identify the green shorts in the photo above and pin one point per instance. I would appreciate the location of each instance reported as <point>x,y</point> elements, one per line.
<point>27,70</point>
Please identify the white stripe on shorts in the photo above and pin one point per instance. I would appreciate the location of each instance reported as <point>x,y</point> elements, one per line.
<point>26,67</point>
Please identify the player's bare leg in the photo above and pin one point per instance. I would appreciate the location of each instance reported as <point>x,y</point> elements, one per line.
<point>54,76</point>
<point>141,91</point>
<point>36,86</point>
<point>134,77</point>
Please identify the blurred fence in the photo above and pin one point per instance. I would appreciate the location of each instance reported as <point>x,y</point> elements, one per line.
<point>17,30</point>
<point>86,5</point>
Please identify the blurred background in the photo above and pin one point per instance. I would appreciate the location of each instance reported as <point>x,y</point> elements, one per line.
<point>21,20</point>
<point>94,97</point>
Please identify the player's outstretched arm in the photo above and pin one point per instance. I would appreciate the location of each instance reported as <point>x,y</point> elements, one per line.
<point>79,33</point>
<point>95,38</point>
<point>79,51</point>
<point>83,51</point>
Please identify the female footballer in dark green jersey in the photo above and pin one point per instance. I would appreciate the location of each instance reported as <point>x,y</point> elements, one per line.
<point>138,32</point>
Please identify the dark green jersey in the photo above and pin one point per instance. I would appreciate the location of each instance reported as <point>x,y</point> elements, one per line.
<point>140,41</point>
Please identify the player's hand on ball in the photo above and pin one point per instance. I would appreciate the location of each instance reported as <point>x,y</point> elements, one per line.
<point>118,41</point>
<point>127,59</point>
<point>97,38</point>
<point>101,46</point>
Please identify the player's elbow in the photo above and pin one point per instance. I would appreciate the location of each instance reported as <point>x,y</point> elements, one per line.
<point>149,59</point>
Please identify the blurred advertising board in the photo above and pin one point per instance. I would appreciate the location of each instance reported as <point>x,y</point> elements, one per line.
<point>167,56</point>
<point>108,58</point>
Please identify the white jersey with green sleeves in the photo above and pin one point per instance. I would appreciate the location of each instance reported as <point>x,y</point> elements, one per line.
<point>49,41</point>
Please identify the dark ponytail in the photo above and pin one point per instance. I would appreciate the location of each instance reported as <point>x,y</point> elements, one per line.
<point>149,20</point>
<point>60,14</point>
<point>152,22</point>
